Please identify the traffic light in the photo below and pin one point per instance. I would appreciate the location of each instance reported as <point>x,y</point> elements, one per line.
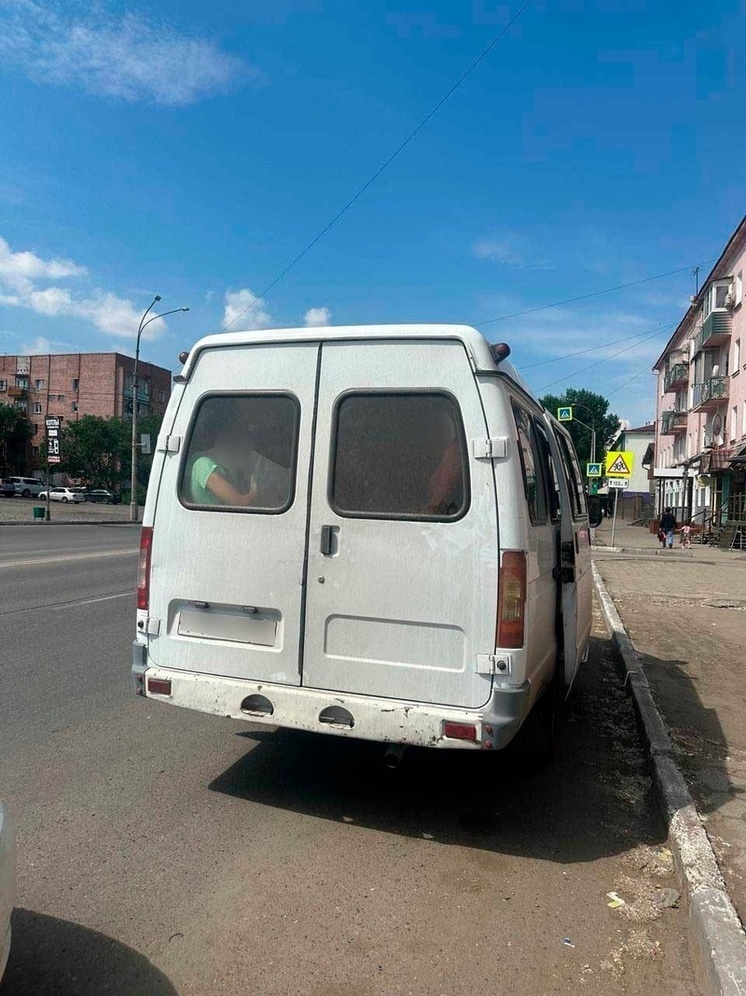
<point>593,486</point>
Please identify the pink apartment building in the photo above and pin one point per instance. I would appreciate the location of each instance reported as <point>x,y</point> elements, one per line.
<point>700,442</point>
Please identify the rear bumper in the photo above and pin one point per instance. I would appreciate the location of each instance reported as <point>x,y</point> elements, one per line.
<point>4,952</point>
<point>384,720</point>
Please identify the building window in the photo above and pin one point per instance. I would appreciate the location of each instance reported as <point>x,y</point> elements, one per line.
<point>743,420</point>
<point>74,406</point>
<point>38,385</point>
<point>60,397</point>
<point>715,296</point>
<point>37,408</point>
<point>76,384</point>
<point>22,382</point>
<point>736,356</point>
<point>739,287</point>
<point>399,455</point>
<point>35,451</point>
<point>733,423</point>
<point>3,385</point>
<point>162,397</point>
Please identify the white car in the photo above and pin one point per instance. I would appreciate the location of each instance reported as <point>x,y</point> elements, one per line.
<point>64,494</point>
<point>7,883</point>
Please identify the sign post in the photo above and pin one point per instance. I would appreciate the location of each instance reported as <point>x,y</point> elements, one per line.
<point>53,425</point>
<point>618,472</point>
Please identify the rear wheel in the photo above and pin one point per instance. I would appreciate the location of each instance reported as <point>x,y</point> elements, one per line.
<point>538,735</point>
<point>64,500</point>
<point>26,493</point>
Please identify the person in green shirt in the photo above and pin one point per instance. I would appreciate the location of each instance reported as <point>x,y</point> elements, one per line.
<point>229,470</point>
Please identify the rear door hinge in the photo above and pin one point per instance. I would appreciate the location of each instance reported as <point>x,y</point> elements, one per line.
<point>168,444</point>
<point>493,664</point>
<point>493,448</point>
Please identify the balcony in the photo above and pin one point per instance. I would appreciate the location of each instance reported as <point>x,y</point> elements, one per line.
<point>673,422</point>
<point>710,394</point>
<point>17,392</point>
<point>715,330</point>
<point>677,375</point>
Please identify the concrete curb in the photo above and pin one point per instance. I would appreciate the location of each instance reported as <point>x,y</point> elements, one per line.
<point>76,522</point>
<point>716,938</point>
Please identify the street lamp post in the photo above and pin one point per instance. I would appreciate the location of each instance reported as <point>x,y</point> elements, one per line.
<point>144,322</point>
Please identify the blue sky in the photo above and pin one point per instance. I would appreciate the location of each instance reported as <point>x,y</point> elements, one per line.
<point>194,149</point>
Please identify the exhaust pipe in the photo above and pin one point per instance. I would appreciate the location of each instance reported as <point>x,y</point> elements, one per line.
<point>393,755</point>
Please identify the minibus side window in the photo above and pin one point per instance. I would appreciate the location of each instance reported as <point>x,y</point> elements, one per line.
<point>398,455</point>
<point>574,480</point>
<point>241,454</point>
<point>531,464</point>
<point>550,471</point>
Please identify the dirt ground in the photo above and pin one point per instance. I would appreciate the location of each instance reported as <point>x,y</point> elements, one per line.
<point>688,620</point>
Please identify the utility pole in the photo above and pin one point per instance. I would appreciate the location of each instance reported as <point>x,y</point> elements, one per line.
<point>144,322</point>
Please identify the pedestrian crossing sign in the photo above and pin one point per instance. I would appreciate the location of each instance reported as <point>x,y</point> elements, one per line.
<point>564,414</point>
<point>593,470</point>
<point>619,463</point>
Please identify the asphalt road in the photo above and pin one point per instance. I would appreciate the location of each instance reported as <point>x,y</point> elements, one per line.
<point>161,851</point>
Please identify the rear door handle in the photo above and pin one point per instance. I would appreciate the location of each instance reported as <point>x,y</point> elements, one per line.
<point>327,534</point>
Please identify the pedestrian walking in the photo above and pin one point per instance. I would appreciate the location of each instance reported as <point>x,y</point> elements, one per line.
<point>686,536</point>
<point>668,527</point>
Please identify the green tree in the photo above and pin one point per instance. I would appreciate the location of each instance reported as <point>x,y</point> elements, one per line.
<point>591,408</point>
<point>96,450</point>
<point>16,433</point>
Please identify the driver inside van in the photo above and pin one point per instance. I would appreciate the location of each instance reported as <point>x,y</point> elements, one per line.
<point>229,467</point>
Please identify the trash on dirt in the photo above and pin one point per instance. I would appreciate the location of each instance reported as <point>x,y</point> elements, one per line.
<point>616,901</point>
<point>666,899</point>
<point>567,942</point>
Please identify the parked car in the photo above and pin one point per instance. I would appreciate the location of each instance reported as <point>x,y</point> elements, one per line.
<point>76,495</point>
<point>103,496</point>
<point>27,487</point>
<point>7,488</point>
<point>379,462</point>
<point>7,883</point>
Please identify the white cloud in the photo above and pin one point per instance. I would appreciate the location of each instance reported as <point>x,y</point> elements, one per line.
<point>512,249</point>
<point>246,309</point>
<point>130,57</point>
<point>21,274</point>
<point>317,316</point>
<point>39,345</point>
<point>18,268</point>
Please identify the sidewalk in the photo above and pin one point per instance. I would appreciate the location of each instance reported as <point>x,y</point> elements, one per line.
<point>19,511</point>
<point>685,612</point>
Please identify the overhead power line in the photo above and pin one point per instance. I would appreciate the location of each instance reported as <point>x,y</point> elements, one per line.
<point>598,347</point>
<point>387,162</point>
<point>585,297</point>
<point>598,362</point>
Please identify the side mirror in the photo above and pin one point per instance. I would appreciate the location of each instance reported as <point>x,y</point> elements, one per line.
<point>595,511</point>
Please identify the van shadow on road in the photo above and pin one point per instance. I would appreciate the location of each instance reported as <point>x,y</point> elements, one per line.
<point>595,798</point>
<point>51,957</point>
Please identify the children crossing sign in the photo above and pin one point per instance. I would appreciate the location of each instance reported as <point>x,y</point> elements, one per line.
<point>593,470</point>
<point>619,463</point>
<point>564,414</point>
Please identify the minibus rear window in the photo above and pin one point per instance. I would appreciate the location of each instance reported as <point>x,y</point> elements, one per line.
<point>241,454</point>
<point>399,456</point>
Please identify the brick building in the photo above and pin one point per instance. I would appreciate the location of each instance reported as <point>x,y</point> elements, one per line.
<point>700,444</point>
<point>77,384</point>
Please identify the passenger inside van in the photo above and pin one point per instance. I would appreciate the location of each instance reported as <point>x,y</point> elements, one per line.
<point>235,452</point>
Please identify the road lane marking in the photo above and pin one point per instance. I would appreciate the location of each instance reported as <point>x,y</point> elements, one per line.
<point>68,558</point>
<point>90,601</point>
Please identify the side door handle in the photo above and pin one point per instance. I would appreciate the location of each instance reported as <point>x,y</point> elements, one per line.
<point>327,540</point>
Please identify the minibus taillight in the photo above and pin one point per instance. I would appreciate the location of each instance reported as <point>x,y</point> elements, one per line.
<point>511,600</point>
<point>143,568</point>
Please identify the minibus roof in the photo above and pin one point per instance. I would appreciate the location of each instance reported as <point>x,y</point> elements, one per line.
<point>476,345</point>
